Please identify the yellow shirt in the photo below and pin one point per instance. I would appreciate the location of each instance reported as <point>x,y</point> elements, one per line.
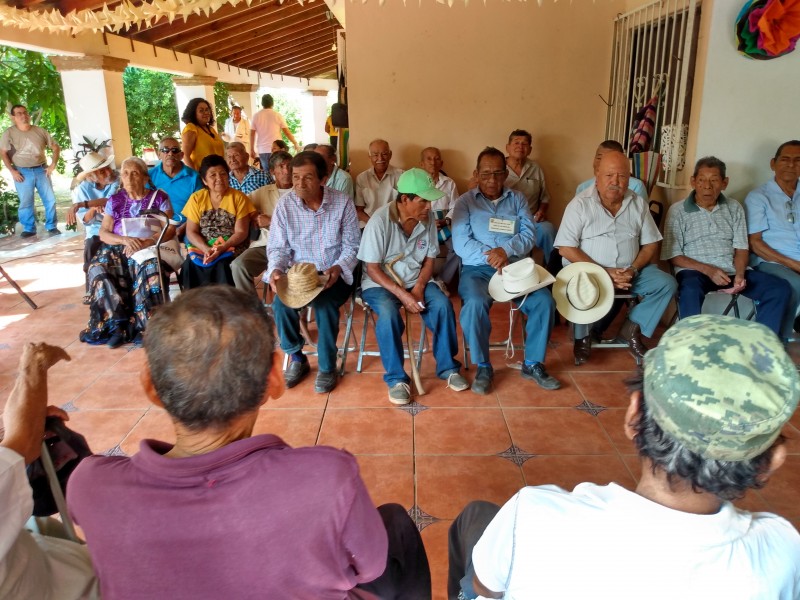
<point>205,144</point>
<point>219,222</point>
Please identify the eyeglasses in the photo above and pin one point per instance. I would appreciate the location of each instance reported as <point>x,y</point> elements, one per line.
<point>170,150</point>
<point>491,174</point>
<point>790,211</point>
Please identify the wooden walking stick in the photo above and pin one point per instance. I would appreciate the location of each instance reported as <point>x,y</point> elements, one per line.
<point>414,370</point>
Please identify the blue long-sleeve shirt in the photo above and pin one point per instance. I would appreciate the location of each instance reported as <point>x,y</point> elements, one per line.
<point>471,235</point>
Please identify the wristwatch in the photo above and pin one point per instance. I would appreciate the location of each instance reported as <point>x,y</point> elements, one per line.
<point>635,270</point>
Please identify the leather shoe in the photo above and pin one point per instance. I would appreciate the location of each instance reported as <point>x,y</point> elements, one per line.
<point>630,332</point>
<point>295,372</point>
<point>582,349</point>
<point>538,374</point>
<point>482,383</point>
<point>325,382</point>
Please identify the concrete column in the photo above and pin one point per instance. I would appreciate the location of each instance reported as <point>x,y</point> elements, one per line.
<point>244,94</point>
<point>187,88</point>
<point>314,116</point>
<point>95,99</point>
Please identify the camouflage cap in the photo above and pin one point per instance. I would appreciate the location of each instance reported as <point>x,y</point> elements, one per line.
<point>723,387</point>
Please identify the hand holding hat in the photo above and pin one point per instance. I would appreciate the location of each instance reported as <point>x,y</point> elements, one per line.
<point>300,285</point>
<point>518,279</point>
<point>584,292</point>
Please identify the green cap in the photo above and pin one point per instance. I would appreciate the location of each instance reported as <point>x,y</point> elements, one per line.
<point>418,182</point>
<point>721,386</point>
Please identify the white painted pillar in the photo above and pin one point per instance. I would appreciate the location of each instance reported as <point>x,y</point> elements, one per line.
<point>314,119</point>
<point>200,86</point>
<point>95,100</point>
<point>244,94</point>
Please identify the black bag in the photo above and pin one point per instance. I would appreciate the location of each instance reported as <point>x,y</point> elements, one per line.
<point>66,448</point>
<point>339,115</point>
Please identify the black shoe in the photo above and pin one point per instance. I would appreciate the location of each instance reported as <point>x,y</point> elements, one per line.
<point>482,384</point>
<point>539,375</point>
<point>27,234</point>
<point>54,231</point>
<point>325,382</point>
<point>117,339</point>
<point>296,372</point>
<point>581,350</point>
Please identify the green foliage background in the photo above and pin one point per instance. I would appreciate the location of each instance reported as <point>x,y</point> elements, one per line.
<point>152,108</point>
<point>287,106</point>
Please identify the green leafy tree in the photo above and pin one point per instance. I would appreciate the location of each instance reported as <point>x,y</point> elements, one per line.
<point>151,106</point>
<point>30,78</point>
<point>287,106</point>
<point>221,96</point>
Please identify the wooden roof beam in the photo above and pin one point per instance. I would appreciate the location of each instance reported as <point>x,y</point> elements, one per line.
<point>265,58</point>
<point>257,50</point>
<point>310,68</point>
<point>287,63</point>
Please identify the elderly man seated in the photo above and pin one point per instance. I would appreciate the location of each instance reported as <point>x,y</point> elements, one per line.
<point>705,419</point>
<point>527,177</point>
<point>243,177</point>
<point>609,225</point>
<point>706,243</point>
<point>338,179</point>
<point>375,187</point>
<point>312,225</point>
<point>637,186</point>
<point>431,162</point>
<point>401,238</point>
<point>176,179</point>
<point>492,227</point>
<point>225,514</point>
<point>33,566</point>
<point>253,261</point>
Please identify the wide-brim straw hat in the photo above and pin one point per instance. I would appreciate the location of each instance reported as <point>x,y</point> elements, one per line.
<point>300,285</point>
<point>518,279</point>
<point>584,292</point>
<point>93,161</point>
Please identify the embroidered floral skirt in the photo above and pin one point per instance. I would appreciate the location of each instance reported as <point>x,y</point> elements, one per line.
<point>123,292</point>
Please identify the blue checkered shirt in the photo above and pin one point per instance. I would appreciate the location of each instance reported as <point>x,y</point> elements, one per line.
<point>252,181</point>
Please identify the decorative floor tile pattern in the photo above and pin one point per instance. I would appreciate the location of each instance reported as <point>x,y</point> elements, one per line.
<point>433,455</point>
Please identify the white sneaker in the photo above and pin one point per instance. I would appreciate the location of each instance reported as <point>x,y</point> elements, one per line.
<point>456,382</point>
<point>400,394</point>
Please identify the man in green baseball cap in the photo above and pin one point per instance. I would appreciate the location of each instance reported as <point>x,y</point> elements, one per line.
<point>400,236</point>
<point>705,416</point>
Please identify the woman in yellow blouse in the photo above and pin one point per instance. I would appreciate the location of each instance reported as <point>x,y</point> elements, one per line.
<point>217,227</point>
<point>199,138</point>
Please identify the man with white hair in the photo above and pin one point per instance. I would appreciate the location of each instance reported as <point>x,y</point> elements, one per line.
<point>377,186</point>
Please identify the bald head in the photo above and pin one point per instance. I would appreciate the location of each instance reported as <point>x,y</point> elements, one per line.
<point>612,174</point>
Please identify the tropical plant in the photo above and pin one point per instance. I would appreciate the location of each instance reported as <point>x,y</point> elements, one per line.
<point>221,95</point>
<point>288,107</point>
<point>151,106</point>
<point>85,147</point>
<point>9,207</point>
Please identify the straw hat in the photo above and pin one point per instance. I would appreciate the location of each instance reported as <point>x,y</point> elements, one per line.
<point>300,285</point>
<point>518,279</point>
<point>583,292</point>
<point>93,161</point>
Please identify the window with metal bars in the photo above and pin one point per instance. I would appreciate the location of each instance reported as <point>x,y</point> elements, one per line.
<point>650,91</point>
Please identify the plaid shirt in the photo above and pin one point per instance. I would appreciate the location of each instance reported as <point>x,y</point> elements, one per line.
<point>326,237</point>
<point>252,181</point>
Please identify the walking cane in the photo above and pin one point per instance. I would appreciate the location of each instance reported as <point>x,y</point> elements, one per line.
<point>414,370</point>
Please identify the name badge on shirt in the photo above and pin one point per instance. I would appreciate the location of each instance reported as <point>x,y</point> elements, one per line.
<point>503,225</point>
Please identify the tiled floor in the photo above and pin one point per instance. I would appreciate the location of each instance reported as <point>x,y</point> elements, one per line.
<point>432,456</point>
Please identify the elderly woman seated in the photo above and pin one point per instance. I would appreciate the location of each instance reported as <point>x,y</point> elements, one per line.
<point>217,227</point>
<point>124,282</point>
<point>223,513</point>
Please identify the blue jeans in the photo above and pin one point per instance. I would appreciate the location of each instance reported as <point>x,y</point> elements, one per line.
<point>538,307</point>
<point>264,160</point>
<point>326,312</point>
<point>438,316</point>
<point>35,178</point>
<point>545,235</point>
<point>771,293</point>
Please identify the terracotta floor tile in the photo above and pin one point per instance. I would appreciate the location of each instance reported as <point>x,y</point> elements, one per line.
<point>115,390</point>
<point>435,539</point>
<point>445,484</point>
<point>792,435</point>
<point>64,387</point>
<point>130,362</point>
<point>569,471</point>
<point>606,389</point>
<point>358,390</point>
<point>783,490</point>
<point>613,420</point>
<point>513,391</point>
<point>154,425</point>
<point>557,431</point>
<point>795,420</point>
<point>296,426</point>
<point>104,429</point>
<point>302,395</point>
<point>634,464</point>
<point>439,395</point>
<point>753,501</point>
<point>367,430</point>
<point>389,478</point>
<point>461,431</point>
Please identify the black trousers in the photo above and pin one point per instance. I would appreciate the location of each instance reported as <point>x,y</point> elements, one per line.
<point>465,532</point>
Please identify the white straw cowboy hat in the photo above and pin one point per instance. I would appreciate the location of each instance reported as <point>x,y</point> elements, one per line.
<point>583,292</point>
<point>300,285</point>
<point>518,279</point>
<point>93,161</point>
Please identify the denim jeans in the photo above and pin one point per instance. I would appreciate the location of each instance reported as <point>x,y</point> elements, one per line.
<point>793,279</point>
<point>35,178</point>
<point>326,312</point>
<point>538,307</point>
<point>438,316</point>
<point>264,160</point>
<point>545,235</point>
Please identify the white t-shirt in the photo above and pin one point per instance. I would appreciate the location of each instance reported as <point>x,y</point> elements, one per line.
<point>268,125</point>
<point>608,542</point>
